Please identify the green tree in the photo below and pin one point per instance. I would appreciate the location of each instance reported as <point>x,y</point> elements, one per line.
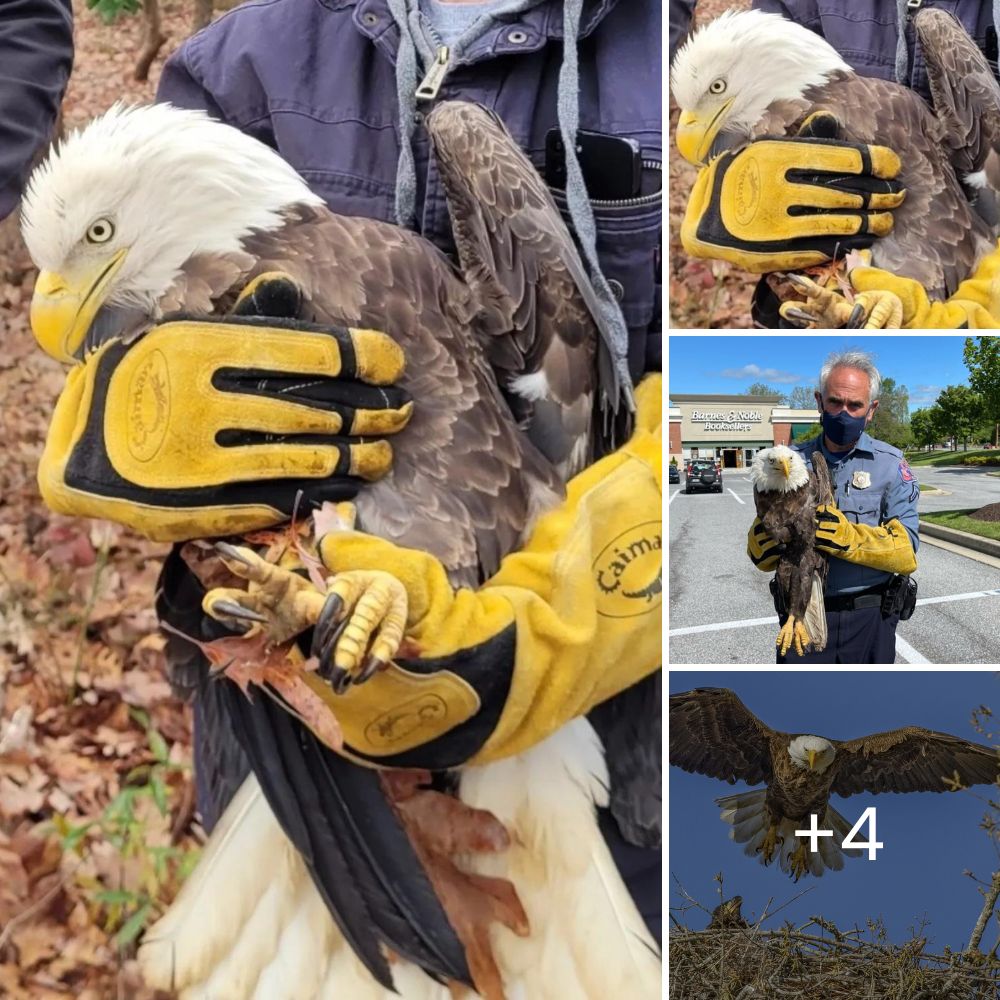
<point>802,398</point>
<point>925,426</point>
<point>814,431</point>
<point>892,418</point>
<point>982,358</point>
<point>960,411</point>
<point>760,389</point>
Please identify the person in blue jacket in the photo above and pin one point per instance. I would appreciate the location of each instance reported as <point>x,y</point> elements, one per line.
<point>870,531</point>
<point>36,55</point>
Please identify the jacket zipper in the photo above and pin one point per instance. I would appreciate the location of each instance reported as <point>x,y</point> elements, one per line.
<point>643,199</point>
<point>431,83</point>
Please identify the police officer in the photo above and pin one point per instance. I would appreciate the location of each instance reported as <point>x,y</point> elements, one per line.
<point>871,531</point>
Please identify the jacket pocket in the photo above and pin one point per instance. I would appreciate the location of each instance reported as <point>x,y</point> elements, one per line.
<point>629,235</point>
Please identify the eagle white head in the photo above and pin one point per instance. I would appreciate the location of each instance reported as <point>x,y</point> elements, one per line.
<point>114,212</point>
<point>730,71</point>
<point>778,468</point>
<point>812,753</point>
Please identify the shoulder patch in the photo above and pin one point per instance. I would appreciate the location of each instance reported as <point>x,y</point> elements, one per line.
<point>905,472</point>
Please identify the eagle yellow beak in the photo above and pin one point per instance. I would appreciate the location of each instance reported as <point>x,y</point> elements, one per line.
<point>811,754</point>
<point>694,137</point>
<point>62,309</point>
<point>786,468</point>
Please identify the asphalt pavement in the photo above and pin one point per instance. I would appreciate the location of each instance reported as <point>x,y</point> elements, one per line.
<point>720,609</point>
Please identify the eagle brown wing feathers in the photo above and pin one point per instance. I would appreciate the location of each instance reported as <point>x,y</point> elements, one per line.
<point>965,92</point>
<point>911,760</point>
<point>712,732</point>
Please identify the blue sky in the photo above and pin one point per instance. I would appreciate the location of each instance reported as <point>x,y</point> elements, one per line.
<point>929,838</point>
<point>704,363</point>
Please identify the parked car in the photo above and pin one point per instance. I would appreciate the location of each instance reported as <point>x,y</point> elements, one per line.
<point>703,474</point>
<point>674,475</point>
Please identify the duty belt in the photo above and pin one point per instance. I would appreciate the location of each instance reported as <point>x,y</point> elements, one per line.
<point>871,598</point>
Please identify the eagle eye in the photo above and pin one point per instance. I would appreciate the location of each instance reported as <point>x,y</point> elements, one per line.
<point>717,86</point>
<point>100,231</point>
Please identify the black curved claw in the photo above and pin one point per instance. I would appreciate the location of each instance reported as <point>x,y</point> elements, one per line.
<point>231,552</point>
<point>340,679</point>
<point>328,618</point>
<point>857,317</point>
<point>371,666</point>
<point>233,610</point>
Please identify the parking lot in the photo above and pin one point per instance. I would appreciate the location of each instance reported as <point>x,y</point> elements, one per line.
<point>720,606</point>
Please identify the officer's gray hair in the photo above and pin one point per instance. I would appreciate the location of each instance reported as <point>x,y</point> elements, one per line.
<point>860,360</point>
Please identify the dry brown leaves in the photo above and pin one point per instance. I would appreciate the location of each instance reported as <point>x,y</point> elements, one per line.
<point>440,826</point>
<point>704,294</point>
<point>80,658</point>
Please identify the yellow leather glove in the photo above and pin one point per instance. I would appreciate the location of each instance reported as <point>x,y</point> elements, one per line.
<point>784,204</point>
<point>975,304</point>
<point>212,427</point>
<point>569,620</point>
<point>887,548</point>
<point>762,549</point>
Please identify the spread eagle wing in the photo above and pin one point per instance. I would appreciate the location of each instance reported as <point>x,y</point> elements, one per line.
<point>911,760</point>
<point>965,92</point>
<point>712,732</point>
<point>538,307</point>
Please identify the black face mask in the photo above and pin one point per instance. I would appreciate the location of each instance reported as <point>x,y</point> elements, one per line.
<point>842,428</point>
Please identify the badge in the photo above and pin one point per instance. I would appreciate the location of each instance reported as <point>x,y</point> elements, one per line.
<point>861,480</point>
<point>905,473</point>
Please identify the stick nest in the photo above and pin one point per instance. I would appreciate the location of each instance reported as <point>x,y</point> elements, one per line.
<point>748,963</point>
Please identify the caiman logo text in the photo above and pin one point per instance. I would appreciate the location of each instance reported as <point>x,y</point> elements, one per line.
<point>629,572</point>
<point>427,712</point>
<point>148,407</point>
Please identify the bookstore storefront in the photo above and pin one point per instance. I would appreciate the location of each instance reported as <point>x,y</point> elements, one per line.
<point>732,429</point>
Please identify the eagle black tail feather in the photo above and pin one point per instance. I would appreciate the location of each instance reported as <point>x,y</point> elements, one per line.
<point>358,854</point>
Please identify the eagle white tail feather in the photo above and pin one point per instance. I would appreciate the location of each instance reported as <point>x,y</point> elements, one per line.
<point>746,814</point>
<point>250,925</point>
<point>815,617</point>
<point>587,937</point>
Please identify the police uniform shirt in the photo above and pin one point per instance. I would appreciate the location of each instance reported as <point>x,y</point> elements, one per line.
<point>872,485</point>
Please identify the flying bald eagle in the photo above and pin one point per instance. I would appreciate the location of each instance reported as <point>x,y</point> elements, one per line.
<point>751,74</point>
<point>712,732</point>
<point>152,211</point>
<point>786,496</point>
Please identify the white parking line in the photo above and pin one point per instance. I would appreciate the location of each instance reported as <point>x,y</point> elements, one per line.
<point>676,493</point>
<point>958,597</point>
<point>749,622</point>
<point>908,653</point>
<point>741,501</point>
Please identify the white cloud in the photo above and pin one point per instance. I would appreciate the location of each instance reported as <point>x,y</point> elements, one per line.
<point>766,374</point>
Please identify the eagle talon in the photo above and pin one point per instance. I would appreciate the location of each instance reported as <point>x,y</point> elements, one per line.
<point>793,634</point>
<point>769,844</point>
<point>231,609</point>
<point>799,861</point>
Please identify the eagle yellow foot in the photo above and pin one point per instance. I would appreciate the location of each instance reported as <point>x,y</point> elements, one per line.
<point>278,600</point>
<point>359,620</point>
<point>360,627</point>
<point>793,633</point>
<point>799,861</point>
<point>769,844</point>
<point>827,309</point>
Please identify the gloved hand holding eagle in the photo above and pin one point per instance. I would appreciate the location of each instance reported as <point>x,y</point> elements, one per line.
<point>328,876</point>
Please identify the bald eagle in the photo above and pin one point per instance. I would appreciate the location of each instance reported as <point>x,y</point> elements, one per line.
<point>150,211</point>
<point>751,74</point>
<point>712,732</point>
<point>786,496</point>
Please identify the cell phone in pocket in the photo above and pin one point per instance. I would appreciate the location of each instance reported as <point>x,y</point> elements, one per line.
<point>611,164</point>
